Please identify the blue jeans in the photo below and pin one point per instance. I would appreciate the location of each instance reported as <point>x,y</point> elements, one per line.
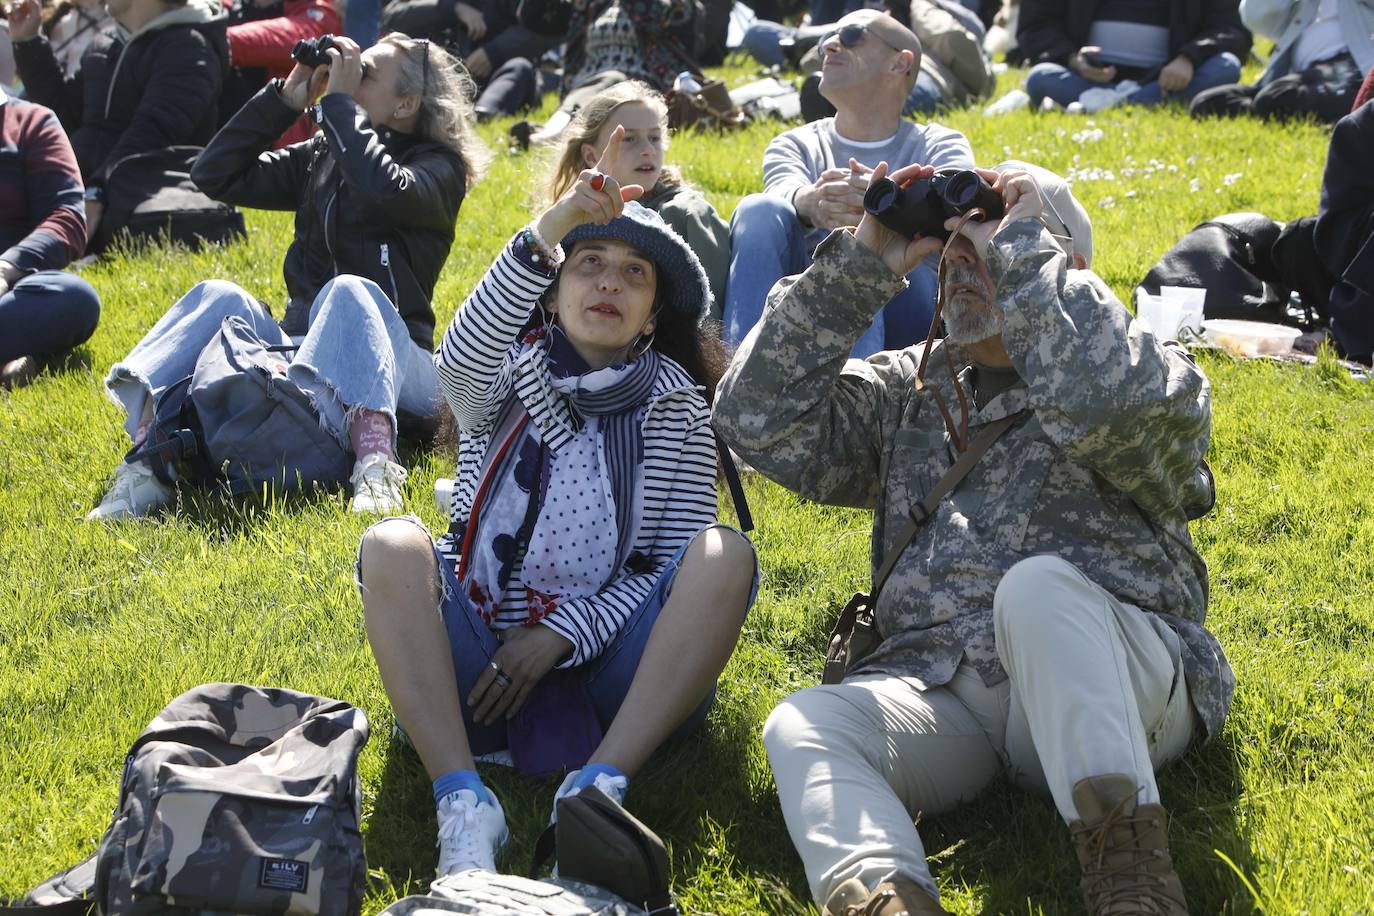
<point>1058,82</point>
<point>45,314</point>
<point>924,98</point>
<point>761,40</point>
<point>768,242</point>
<point>356,354</point>
<point>607,677</point>
<point>363,21</point>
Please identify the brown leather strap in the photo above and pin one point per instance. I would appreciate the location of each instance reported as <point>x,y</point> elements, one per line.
<point>926,507</point>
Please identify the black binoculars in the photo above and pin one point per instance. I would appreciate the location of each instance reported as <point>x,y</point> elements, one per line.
<point>311,52</point>
<point>921,208</point>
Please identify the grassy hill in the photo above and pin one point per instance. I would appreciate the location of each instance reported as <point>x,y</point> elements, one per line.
<point>100,626</point>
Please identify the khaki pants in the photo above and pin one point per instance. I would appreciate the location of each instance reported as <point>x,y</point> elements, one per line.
<point>1095,686</point>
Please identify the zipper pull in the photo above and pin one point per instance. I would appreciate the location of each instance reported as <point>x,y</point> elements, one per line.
<point>386,254</point>
<point>310,815</point>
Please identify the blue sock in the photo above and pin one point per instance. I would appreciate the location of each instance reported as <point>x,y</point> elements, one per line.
<point>454,780</point>
<point>589,773</point>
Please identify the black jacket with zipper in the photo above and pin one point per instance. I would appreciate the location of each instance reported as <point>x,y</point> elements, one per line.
<point>369,201</point>
<point>1053,30</point>
<point>134,94</point>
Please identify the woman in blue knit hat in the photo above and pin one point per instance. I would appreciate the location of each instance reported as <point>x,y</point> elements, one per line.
<point>583,549</point>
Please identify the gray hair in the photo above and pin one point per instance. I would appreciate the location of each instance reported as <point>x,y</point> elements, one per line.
<point>446,92</point>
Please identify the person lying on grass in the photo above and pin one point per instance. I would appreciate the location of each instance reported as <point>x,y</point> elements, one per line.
<point>376,195</point>
<point>1046,620</point>
<point>587,599</point>
<point>642,112</point>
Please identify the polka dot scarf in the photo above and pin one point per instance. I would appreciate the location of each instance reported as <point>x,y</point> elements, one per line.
<point>568,518</point>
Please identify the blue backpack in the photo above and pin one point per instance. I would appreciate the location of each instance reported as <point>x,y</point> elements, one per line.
<point>237,423</point>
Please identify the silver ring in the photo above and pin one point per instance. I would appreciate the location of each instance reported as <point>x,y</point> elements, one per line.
<point>503,679</point>
<point>494,667</point>
<point>598,180</point>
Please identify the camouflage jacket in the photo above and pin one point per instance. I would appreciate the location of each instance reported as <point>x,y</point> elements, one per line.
<point>1104,472</point>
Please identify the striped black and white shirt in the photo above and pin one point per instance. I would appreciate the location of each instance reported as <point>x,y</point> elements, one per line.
<point>482,363</point>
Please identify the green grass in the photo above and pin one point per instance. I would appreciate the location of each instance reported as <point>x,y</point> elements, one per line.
<point>100,626</point>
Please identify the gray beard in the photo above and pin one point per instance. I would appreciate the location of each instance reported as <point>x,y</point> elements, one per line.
<point>969,318</point>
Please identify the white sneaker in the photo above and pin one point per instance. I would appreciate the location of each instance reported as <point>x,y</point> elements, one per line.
<point>377,485</point>
<point>1015,100</point>
<point>471,832</point>
<point>613,787</point>
<point>1100,98</point>
<point>135,491</point>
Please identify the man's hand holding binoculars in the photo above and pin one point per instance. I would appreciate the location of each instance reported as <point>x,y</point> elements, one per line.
<point>1001,197</point>
<point>899,253</point>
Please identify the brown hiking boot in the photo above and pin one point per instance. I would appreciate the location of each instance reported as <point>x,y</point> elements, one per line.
<point>1123,849</point>
<point>898,897</point>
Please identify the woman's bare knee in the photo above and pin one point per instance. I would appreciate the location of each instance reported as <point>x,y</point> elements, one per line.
<point>724,558</point>
<point>395,550</point>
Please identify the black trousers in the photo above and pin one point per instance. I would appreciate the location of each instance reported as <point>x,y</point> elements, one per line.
<point>1326,90</point>
<point>513,86</point>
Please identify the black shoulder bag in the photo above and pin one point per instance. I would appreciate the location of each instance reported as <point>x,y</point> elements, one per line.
<point>855,634</point>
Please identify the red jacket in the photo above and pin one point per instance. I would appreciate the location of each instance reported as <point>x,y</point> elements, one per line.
<point>267,43</point>
<point>1366,91</point>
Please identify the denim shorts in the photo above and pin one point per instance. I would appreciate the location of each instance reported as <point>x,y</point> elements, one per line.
<point>607,677</point>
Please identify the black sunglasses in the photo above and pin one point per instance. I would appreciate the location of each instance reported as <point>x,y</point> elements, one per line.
<point>851,35</point>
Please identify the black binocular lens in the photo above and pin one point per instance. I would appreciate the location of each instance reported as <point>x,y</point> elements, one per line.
<point>922,208</point>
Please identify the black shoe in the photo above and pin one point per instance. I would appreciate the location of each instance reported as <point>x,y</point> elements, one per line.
<point>520,133</point>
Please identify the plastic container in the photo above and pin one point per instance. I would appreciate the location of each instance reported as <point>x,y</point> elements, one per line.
<point>1250,338</point>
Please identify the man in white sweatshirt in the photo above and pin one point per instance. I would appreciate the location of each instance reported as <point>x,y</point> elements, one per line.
<point>815,176</point>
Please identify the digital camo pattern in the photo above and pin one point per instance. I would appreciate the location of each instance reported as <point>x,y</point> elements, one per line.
<point>1104,473</point>
<point>239,799</point>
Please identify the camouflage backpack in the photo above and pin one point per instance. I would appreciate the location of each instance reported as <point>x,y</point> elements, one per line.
<point>234,799</point>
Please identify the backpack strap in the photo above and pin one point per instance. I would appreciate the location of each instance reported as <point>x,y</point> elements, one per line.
<point>923,510</point>
<point>732,480</point>
<point>67,893</point>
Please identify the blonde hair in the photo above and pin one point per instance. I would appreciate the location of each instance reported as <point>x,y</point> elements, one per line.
<point>446,92</point>
<point>586,128</point>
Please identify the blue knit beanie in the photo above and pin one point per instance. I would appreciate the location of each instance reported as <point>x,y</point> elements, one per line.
<point>676,264</point>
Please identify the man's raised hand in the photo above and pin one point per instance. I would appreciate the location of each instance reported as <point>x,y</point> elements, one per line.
<point>1021,197</point>
<point>899,253</point>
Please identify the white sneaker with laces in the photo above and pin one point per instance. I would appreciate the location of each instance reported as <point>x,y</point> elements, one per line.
<point>134,492</point>
<point>377,484</point>
<point>471,832</point>
<point>613,787</point>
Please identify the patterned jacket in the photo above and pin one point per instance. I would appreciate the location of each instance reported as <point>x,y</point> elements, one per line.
<point>1104,472</point>
<point>663,27</point>
<point>482,362</point>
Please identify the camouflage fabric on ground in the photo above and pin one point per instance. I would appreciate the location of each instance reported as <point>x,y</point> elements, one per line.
<point>239,799</point>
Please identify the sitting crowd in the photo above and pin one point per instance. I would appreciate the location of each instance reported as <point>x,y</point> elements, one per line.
<point>1032,454</point>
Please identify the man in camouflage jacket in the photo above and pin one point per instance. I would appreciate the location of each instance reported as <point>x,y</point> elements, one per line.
<point>1047,620</point>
